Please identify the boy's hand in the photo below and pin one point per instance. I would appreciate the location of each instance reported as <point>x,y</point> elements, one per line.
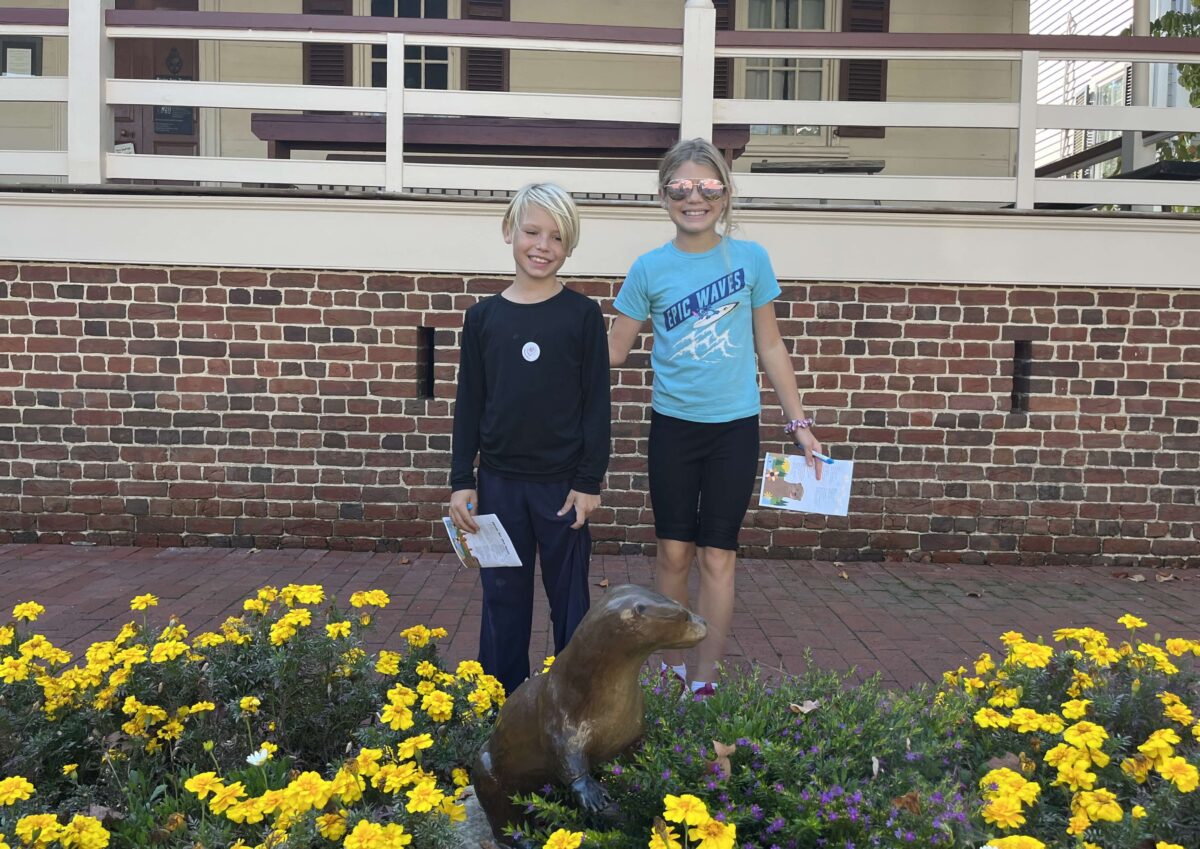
<point>464,503</point>
<point>583,502</point>
<point>809,443</point>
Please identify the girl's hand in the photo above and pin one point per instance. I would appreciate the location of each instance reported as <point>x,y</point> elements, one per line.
<point>805,440</point>
<point>464,504</point>
<point>583,502</point>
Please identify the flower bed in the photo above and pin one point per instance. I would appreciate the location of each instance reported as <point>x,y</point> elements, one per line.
<point>279,729</point>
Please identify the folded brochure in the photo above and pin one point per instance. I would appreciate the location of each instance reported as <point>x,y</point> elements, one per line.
<point>487,548</point>
<point>789,483</point>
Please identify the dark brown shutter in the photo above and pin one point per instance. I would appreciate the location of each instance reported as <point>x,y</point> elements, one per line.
<point>485,69</point>
<point>328,64</point>
<point>723,68</point>
<point>864,79</point>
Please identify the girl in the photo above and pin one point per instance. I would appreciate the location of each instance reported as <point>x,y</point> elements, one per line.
<point>709,300</point>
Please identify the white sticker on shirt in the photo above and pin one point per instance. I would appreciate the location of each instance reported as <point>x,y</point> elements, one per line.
<point>531,351</point>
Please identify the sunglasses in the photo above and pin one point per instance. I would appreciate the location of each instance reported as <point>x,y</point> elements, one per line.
<point>682,188</point>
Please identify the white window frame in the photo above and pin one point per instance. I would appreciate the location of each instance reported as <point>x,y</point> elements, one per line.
<point>742,68</point>
<point>364,62</point>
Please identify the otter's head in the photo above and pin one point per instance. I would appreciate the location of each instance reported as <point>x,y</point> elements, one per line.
<point>651,621</point>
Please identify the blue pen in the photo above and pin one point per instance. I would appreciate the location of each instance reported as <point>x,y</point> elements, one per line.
<point>470,506</point>
<point>826,460</point>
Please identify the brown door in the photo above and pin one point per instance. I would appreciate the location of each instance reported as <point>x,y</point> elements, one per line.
<point>172,130</point>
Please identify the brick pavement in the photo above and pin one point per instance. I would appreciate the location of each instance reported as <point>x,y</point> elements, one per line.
<point>909,621</point>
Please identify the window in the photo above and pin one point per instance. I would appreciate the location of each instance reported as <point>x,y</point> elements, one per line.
<point>20,56</point>
<point>424,67</point>
<point>785,79</point>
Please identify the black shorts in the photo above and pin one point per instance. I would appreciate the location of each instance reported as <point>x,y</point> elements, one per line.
<point>701,477</point>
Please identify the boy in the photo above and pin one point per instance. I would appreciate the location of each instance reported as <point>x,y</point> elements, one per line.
<point>533,400</point>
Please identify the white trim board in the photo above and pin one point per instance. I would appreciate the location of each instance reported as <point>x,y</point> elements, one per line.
<point>449,237</point>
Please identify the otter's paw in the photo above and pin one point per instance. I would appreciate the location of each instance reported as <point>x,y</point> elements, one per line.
<point>590,794</point>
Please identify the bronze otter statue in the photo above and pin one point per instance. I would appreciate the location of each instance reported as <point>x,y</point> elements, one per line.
<point>586,709</point>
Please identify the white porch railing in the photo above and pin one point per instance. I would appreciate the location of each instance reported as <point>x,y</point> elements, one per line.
<point>90,92</point>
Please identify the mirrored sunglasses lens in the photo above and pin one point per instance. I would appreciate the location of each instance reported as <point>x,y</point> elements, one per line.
<point>679,189</point>
<point>711,189</point>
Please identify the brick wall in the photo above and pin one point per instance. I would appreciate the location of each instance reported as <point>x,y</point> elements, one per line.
<point>196,406</point>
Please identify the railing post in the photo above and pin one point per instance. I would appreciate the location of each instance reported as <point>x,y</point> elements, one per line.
<point>1134,153</point>
<point>696,84</point>
<point>89,118</point>
<point>1027,130</point>
<point>393,178</point>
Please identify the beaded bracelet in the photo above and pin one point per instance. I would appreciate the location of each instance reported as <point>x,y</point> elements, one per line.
<point>796,424</point>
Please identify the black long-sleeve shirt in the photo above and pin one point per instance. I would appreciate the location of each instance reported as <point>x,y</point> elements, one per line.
<point>533,394</point>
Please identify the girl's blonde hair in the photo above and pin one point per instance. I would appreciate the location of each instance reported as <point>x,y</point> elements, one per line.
<point>702,152</point>
<point>555,200</point>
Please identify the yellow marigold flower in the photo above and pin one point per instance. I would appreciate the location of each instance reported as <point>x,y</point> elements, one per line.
<point>337,629</point>
<point>167,651</point>
<point>70,769</point>
<point>1138,812</point>
<point>426,687</point>
<point>984,664</point>
<point>480,701</point>
<point>1075,776</point>
<point>402,695</point>
<point>366,835</point>
<point>563,839</point>
<point>1179,772</point>
<point>226,796</point>
<point>438,634</point>
<point>1179,647</point>
<point>1180,713</point>
<point>1080,681</point>
<point>83,832</point>
<point>664,837</point>
<point>16,788</point>
<point>307,791</point>
<point>281,632</point>
<point>201,707</point>
<point>394,835</point>
<point>1162,844</point>
<point>1078,824</point>
<point>547,663</point>
<point>468,670</point>
<point>332,826</point>
<point>347,785</point>
<point>1160,745</point>
<point>366,762</point>
<point>1006,697</point>
<point>202,784</point>
<point>713,834</point>
<point>1003,812</point>
<point>28,610</point>
<point>142,602</point>
<point>1103,655</point>
<point>455,811</point>
<point>1132,622</point>
<point>7,635</point>
<point>1031,655</point>
<point>207,640</point>
<point>426,669</point>
<point>973,684</point>
<point>409,747</point>
<point>460,777</point>
<point>250,704</point>
<point>439,705</point>
<point>397,716</point>
<point>1075,708</point>
<point>374,598</point>
<point>987,717</point>
<point>38,829</point>
<point>417,636</point>
<point>1086,735</point>
<point>1060,754</point>
<point>1100,805</point>
<point>1016,841</point>
<point>685,809</point>
<point>1011,638</point>
<point>1137,768</point>
<point>388,663</point>
<point>13,669</point>
<point>256,605</point>
<point>424,797</point>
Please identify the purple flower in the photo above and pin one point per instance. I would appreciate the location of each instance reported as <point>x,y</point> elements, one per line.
<point>756,812</point>
<point>666,775</point>
<point>777,824</point>
<point>616,770</point>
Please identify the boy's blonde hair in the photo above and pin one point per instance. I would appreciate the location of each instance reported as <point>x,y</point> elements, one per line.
<point>702,152</point>
<point>558,205</point>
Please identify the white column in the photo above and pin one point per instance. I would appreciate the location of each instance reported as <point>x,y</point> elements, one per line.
<point>1027,130</point>
<point>696,84</point>
<point>393,180</point>
<point>89,118</point>
<point>1134,152</point>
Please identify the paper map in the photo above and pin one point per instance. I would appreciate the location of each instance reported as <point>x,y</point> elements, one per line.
<point>488,548</point>
<point>788,483</point>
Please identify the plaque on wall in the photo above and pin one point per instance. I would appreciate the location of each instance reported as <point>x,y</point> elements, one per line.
<point>174,120</point>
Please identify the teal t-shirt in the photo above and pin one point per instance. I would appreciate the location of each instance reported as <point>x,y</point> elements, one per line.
<point>705,368</point>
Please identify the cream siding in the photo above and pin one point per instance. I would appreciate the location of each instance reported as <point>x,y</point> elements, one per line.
<point>37,126</point>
